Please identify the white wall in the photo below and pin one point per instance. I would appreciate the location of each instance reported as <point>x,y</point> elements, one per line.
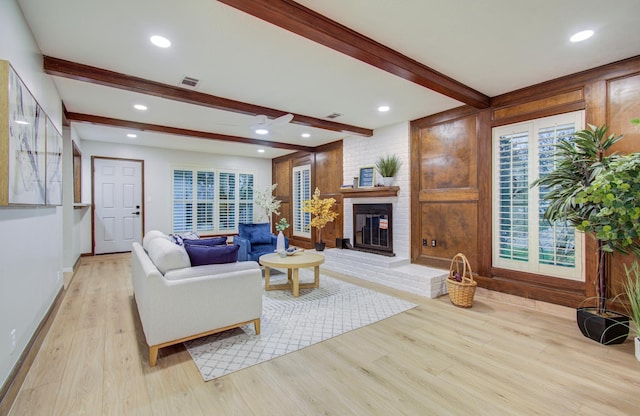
<point>31,243</point>
<point>73,218</point>
<point>157,176</point>
<point>363,151</point>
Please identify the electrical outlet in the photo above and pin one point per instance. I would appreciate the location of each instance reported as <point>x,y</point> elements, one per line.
<point>433,243</point>
<point>13,340</point>
<point>424,242</point>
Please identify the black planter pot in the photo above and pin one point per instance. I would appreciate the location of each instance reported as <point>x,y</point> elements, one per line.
<point>610,329</point>
<point>320,246</point>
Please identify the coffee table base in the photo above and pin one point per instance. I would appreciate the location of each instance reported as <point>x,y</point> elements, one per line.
<point>293,283</point>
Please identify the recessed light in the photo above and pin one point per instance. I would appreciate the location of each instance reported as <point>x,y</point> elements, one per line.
<point>131,135</point>
<point>580,36</point>
<point>383,108</point>
<point>305,135</point>
<point>260,150</point>
<point>160,41</point>
<point>262,131</point>
<point>140,107</point>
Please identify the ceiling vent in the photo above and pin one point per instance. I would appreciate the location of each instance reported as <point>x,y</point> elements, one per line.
<point>334,115</point>
<point>189,82</point>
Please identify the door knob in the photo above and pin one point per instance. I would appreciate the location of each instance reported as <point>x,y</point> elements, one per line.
<point>136,213</point>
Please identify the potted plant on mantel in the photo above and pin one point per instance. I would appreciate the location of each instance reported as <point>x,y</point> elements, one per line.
<point>320,209</point>
<point>388,166</point>
<point>581,193</point>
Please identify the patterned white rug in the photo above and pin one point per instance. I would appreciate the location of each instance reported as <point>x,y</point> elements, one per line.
<point>289,324</point>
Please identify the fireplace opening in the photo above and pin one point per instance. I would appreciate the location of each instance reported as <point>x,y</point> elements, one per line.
<point>373,228</point>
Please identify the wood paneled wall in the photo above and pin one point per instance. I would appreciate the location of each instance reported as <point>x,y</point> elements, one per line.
<point>451,174</point>
<point>444,150</point>
<point>326,174</point>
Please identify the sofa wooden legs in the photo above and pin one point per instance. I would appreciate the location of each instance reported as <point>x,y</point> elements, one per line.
<point>153,356</point>
<point>153,351</point>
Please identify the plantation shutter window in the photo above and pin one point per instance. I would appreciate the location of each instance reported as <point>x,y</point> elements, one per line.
<point>205,202</point>
<point>522,239</point>
<point>301,192</point>
<point>182,200</point>
<point>557,241</point>
<point>227,204</point>
<point>208,201</point>
<point>245,201</point>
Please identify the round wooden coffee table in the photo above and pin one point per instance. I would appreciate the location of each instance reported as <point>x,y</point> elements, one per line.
<point>292,264</point>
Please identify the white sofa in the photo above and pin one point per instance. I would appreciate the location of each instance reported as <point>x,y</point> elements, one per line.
<point>177,304</point>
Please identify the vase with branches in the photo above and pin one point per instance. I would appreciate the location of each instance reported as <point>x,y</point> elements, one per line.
<point>320,209</point>
<point>268,202</point>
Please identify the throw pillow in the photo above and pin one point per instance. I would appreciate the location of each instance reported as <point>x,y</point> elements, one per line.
<point>176,239</point>
<point>213,241</point>
<point>260,236</point>
<point>201,255</point>
<point>189,236</point>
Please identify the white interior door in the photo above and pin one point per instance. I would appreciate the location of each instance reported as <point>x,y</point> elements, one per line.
<point>118,204</point>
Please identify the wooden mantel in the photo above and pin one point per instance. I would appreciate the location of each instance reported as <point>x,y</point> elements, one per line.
<point>375,192</point>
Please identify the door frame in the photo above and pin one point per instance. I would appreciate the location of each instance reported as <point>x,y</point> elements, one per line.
<point>93,195</point>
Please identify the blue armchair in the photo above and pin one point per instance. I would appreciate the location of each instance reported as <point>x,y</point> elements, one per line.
<point>255,240</point>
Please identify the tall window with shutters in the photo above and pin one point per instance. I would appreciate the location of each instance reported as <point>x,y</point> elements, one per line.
<point>301,192</point>
<point>245,198</point>
<point>522,239</point>
<point>209,200</point>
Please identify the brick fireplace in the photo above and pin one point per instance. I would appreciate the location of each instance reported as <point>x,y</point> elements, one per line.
<point>363,151</point>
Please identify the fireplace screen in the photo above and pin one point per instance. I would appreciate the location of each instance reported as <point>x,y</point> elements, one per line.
<point>373,228</point>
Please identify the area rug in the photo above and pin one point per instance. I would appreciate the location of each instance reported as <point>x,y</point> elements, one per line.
<point>289,324</point>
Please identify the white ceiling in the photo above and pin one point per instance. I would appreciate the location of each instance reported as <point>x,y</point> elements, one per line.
<point>493,46</point>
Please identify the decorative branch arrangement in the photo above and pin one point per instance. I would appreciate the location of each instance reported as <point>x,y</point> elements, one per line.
<point>320,209</point>
<point>268,202</point>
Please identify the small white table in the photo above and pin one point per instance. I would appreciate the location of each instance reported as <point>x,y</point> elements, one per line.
<point>292,264</point>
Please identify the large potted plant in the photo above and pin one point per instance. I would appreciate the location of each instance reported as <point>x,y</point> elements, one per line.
<point>320,209</point>
<point>579,189</point>
<point>632,290</point>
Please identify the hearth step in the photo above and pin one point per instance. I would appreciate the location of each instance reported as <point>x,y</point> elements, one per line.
<point>369,258</point>
<point>420,280</point>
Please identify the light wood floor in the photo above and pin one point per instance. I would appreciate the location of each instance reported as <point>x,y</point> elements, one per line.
<point>436,359</point>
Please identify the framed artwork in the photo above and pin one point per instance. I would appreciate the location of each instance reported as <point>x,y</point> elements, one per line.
<point>53,165</point>
<point>26,150</point>
<point>367,177</point>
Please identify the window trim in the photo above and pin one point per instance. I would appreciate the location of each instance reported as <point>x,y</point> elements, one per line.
<point>296,204</point>
<point>533,264</point>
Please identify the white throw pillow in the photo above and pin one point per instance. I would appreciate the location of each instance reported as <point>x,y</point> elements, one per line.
<point>167,255</point>
<point>151,235</point>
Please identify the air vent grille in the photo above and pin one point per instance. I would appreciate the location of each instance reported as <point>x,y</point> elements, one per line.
<point>189,82</point>
<point>334,115</point>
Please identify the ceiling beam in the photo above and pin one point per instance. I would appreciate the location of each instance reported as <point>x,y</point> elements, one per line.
<point>99,76</point>
<point>114,122</point>
<point>296,18</point>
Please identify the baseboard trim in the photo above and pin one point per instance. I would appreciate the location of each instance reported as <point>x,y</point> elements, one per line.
<point>12,386</point>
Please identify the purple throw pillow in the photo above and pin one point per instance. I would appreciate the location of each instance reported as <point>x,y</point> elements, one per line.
<point>213,241</point>
<point>201,255</point>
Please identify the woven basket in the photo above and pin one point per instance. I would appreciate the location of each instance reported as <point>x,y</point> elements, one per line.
<point>461,293</point>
